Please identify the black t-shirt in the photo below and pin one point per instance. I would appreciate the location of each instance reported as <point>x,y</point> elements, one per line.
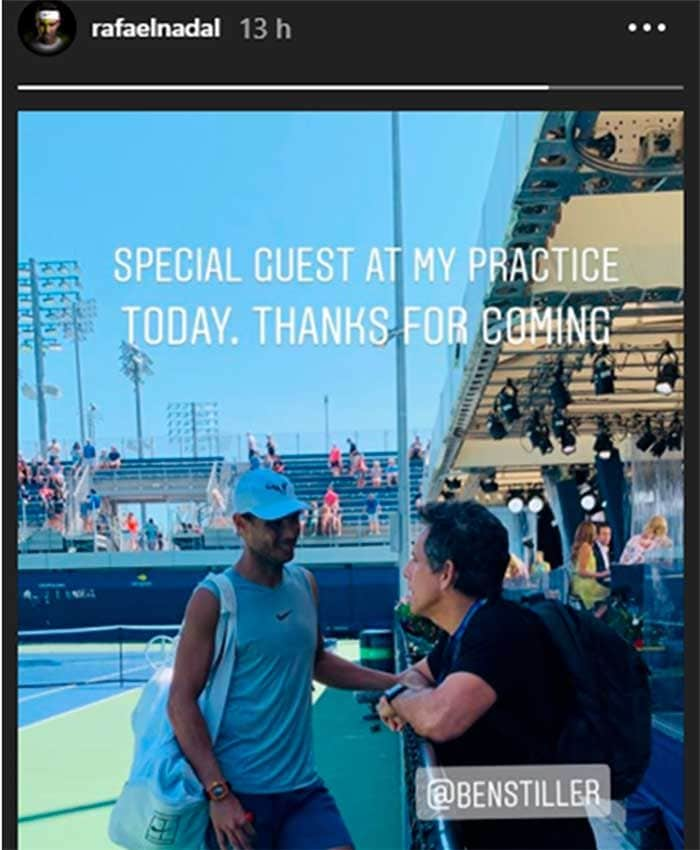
<point>507,646</point>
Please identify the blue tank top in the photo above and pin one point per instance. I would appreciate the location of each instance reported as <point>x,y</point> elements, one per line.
<point>265,741</point>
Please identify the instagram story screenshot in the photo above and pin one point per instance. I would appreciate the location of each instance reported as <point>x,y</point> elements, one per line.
<point>351,368</point>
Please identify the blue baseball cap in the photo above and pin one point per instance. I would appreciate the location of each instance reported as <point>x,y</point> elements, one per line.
<point>267,495</point>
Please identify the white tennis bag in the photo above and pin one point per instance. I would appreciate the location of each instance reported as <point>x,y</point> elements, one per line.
<point>162,804</point>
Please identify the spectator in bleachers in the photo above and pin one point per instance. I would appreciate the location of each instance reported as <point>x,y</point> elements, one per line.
<point>252,445</point>
<point>278,465</point>
<point>312,523</point>
<point>376,474</point>
<point>271,448</point>
<point>324,527</point>
<point>360,471</point>
<point>160,542</point>
<point>76,454</point>
<point>353,453</point>
<point>336,520</point>
<point>392,472</point>
<point>416,450</point>
<point>89,454</point>
<point>102,462</point>
<point>131,530</point>
<point>54,451</point>
<point>114,459</point>
<point>335,461</point>
<point>331,498</point>
<point>150,533</point>
<point>372,509</point>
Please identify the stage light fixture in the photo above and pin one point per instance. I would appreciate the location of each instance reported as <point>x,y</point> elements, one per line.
<point>545,444</point>
<point>560,395</point>
<point>604,372</point>
<point>508,402</point>
<point>568,441</point>
<point>489,484</point>
<point>532,429</point>
<point>515,502</point>
<point>667,371</point>
<point>495,427</point>
<point>603,445</point>
<point>559,423</point>
<point>660,446</point>
<point>535,502</point>
<point>674,437</point>
<point>589,502</point>
<point>646,439</point>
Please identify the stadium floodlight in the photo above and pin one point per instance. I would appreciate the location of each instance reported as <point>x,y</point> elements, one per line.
<point>667,370</point>
<point>192,423</point>
<point>77,324</point>
<point>45,292</point>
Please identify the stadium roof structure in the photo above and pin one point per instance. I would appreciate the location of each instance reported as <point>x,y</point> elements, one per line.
<point>594,180</point>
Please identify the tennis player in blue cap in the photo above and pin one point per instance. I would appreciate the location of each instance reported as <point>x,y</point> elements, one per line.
<point>260,777</point>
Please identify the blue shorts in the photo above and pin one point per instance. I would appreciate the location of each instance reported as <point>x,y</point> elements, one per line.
<point>306,819</point>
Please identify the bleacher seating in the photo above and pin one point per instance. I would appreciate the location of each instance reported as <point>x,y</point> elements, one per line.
<point>161,467</point>
<point>310,475</point>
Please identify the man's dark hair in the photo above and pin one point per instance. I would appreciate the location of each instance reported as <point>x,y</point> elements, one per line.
<point>600,525</point>
<point>476,542</point>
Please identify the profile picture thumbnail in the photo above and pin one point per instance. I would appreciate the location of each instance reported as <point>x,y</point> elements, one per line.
<point>47,28</point>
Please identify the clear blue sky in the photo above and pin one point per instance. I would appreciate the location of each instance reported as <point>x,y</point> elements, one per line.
<point>90,182</point>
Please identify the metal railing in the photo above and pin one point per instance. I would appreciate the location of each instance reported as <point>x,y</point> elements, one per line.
<point>437,834</point>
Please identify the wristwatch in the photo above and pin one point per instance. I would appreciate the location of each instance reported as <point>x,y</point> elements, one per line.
<point>218,790</point>
<point>392,692</point>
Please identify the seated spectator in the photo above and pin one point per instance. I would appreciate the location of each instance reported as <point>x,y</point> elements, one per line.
<point>331,498</point>
<point>76,454</point>
<point>271,447</point>
<point>372,509</point>
<point>114,459</point>
<point>360,471</point>
<point>392,472</point>
<point>54,451</point>
<point>278,465</point>
<point>416,450</point>
<point>312,520</point>
<point>324,527</point>
<point>102,462</point>
<point>89,454</point>
<point>335,461</point>
<point>150,533</point>
<point>648,545</point>
<point>336,520</point>
<point>376,474</point>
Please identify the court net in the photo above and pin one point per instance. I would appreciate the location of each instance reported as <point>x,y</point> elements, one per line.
<point>100,655</point>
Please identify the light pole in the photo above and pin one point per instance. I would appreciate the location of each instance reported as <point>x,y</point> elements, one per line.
<point>404,506</point>
<point>136,365</point>
<point>46,290</point>
<point>77,328</point>
<point>192,422</point>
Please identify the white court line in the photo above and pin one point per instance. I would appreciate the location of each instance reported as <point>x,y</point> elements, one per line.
<point>77,709</point>
<point>87,682</point>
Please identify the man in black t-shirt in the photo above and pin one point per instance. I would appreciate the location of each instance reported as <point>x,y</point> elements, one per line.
<point>492,691</point>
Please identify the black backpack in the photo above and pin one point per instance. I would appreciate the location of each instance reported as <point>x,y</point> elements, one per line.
<point>610,719</point>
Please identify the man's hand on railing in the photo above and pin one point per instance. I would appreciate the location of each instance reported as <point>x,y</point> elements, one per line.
<point>388,716</point>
